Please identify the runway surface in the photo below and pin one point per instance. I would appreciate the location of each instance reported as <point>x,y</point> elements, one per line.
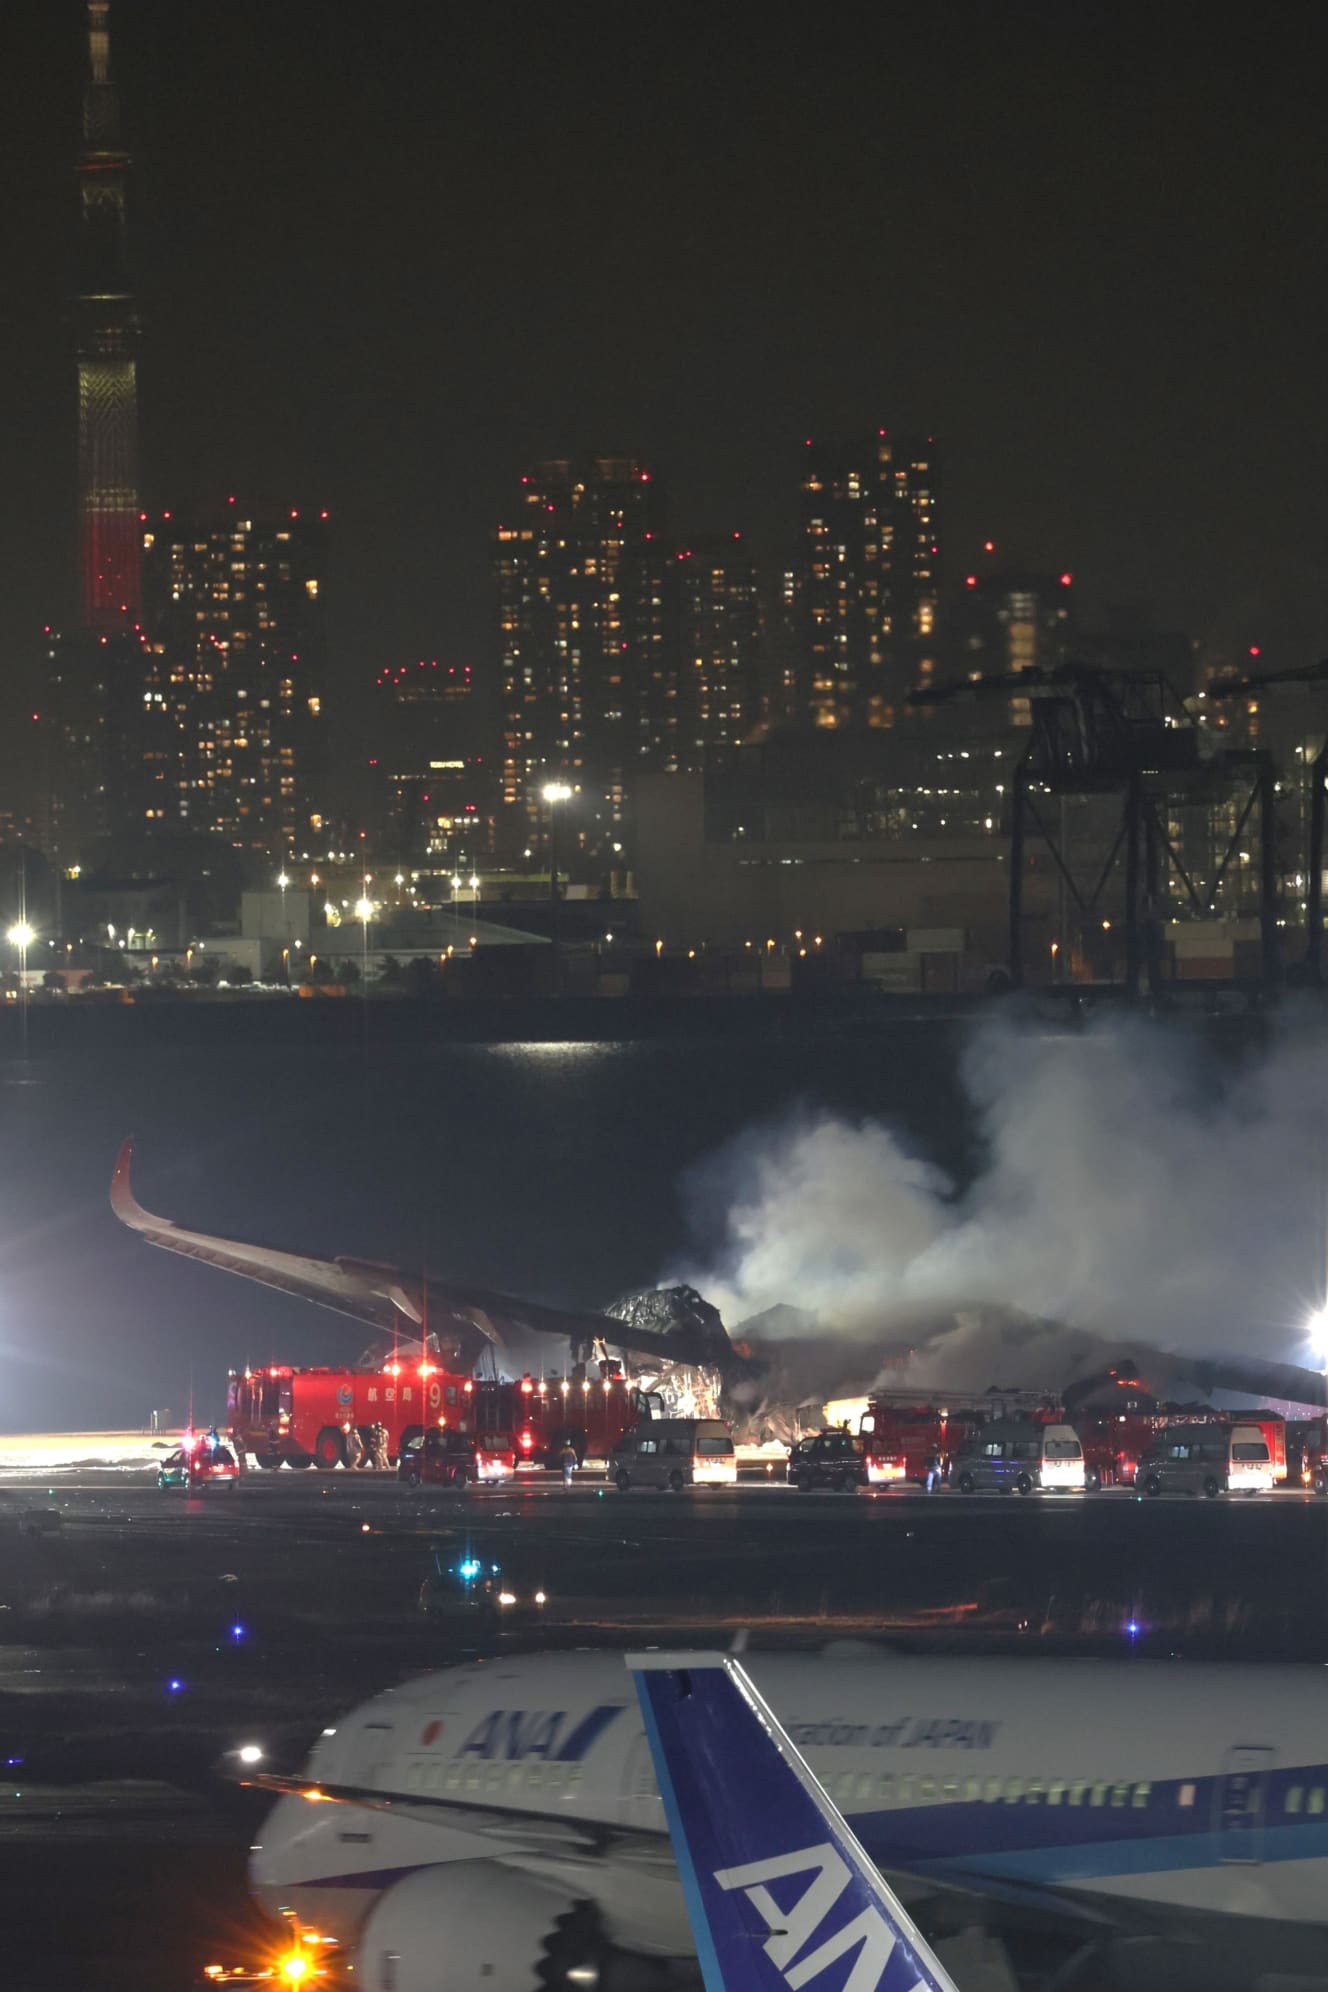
<point>143,1635</point>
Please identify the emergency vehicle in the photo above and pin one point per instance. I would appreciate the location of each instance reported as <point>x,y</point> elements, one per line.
<point>1271,1428</point>
<point>902,1433</point>
<point>304,1416</point>
<point>539,1416</point>
<point>1119,1422</point>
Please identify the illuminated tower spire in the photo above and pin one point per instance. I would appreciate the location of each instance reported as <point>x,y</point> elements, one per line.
<point>109,533</point>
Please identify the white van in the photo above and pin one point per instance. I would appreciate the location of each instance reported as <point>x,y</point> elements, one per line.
<point>1207,1459</point>
<point>675,1453</point>
<point>1250,1470</point>
<point>1062,1458</point>
<point>1015,1455</point>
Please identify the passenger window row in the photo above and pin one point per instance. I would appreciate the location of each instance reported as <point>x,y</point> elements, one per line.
<point>467,1779</point>
<point>1299,1799</point>
<point>889,1790</point>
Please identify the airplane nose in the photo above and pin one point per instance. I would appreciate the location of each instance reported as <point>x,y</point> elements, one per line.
<point>279,1856</point>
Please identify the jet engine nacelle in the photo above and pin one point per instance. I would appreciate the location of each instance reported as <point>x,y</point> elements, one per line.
<point>474,1925</point>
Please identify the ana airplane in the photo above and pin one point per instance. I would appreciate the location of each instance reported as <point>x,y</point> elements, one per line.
<point>503,1819</point>
<point>778,1890</point>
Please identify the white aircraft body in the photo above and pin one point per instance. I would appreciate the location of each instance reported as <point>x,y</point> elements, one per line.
<point>501,1821</point>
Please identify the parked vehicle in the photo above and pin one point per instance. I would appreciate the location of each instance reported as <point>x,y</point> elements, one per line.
<point>675,1453</point>
<point>304,1416</point>
<point>196,1464</point>
<point>541,1417</point>
<point>1017,1455</point>
<point>828,1459</point>
<point>484,1592</point>
<point>1208,1460</point>
<point>454,1459</point>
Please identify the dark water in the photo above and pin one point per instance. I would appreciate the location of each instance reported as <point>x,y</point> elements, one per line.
<point>552,1169</point>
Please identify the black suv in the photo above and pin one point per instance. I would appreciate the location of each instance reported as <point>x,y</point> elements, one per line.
<point>827,1459</point>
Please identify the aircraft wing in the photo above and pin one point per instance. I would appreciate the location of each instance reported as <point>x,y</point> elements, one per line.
<point>776,1884</point>
<point>379,1294</point>
<point>506,1835</point>
<point>325,1281</point>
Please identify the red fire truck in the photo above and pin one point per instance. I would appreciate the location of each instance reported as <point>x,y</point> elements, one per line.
<point>901,1439</point>
<point>303,1416</point>
<point>542,1415</point>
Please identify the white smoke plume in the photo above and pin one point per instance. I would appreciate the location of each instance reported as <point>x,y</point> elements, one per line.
<point>1133,1184</point>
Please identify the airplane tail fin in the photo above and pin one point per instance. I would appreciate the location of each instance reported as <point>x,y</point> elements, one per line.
<point>779,1892</point>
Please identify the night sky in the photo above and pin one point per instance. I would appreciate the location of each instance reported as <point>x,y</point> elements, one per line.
<point>388,254</point>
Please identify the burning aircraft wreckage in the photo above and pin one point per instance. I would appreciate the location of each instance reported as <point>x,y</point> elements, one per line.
<point>782,1372</point>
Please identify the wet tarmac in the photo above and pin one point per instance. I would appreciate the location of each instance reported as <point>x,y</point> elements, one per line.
<point>145,1635</point>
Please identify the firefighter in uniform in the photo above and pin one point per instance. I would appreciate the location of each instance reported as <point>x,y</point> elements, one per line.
<point>378,1447</point>
<point>354,1447</point>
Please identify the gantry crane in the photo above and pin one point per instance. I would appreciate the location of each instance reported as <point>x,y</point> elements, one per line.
<point>1245,686</point>
<point>1100,732</point>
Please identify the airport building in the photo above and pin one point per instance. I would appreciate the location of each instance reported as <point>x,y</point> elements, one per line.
<point>825,834</point>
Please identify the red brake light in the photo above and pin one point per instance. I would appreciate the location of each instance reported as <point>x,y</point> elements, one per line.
<point>527,1441</point>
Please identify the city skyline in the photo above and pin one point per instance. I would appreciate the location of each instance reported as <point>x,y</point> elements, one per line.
<point>1158,459</point>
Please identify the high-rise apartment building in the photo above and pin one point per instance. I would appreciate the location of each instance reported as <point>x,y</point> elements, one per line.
<point>236,728</point>
<point>589,687</point>
<point>435,778</point>
<point>1008,622</point>
<point>714,616</point>
<point>865,588</point>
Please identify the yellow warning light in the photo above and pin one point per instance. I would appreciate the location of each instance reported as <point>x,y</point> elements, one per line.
<point>294,1968</point>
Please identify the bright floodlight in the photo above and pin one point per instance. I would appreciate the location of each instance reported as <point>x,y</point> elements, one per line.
<point>364,909</point>
<point>250,1753</point>
<point>22,935</point>
<point>556,792</point>
<point>1317,1330</point>
<point>282,880</point>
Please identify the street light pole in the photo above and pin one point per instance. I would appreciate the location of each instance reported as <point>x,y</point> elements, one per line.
<point>21,936</point>
<point>554,793</point>
<point>364,907</point>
